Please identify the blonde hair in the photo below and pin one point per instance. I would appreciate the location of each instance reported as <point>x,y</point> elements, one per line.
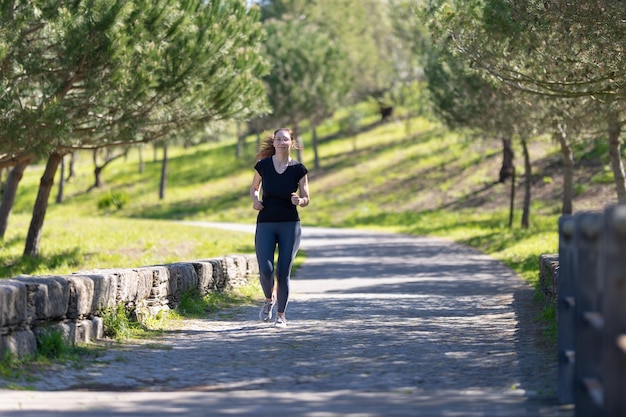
<point>266,147</point>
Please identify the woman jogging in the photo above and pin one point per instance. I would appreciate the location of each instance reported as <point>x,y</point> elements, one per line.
<point>285,187</point>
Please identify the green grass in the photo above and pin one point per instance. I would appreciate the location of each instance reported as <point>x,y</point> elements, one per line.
<point>78,242</point>
<point>118,324</point>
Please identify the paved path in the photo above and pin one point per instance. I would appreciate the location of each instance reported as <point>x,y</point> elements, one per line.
<point>379,325</point>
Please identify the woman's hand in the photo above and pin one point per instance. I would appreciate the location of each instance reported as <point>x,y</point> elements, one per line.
<point>296,200</point>
<point>254,192</point>
<point>257,205</point>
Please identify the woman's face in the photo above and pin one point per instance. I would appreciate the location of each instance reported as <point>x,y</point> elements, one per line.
<point>282,141</point>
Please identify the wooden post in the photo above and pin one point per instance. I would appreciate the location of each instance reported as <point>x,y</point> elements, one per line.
<point>565,310</point>
<point>614,310</point>
<point>588,390</point>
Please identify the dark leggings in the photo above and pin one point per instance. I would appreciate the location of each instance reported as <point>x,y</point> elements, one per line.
<point>287,236</point>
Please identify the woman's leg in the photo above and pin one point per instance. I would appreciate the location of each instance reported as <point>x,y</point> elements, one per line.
<point>288,244</point>
<point>265,240</point>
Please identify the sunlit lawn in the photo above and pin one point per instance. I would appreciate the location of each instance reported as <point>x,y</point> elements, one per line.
<point>79,243</point>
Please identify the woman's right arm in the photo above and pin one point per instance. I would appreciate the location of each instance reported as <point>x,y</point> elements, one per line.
<point>254,191</point>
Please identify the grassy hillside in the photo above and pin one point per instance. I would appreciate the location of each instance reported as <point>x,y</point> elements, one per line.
<point>421,181</point>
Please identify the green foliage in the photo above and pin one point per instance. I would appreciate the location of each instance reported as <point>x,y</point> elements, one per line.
<point>156,323</point>
<point>603,177</point>
<point>79,76</point>
<point>550,48</point>
<point>117,322</point>
<point>113,199</point>
<point>548,317</point>
<point>8,365</point>
<point>310,77</point>
<point>148,68</point>
<point>580,189</point>
<point>458,95</point>
<point>591,150</point>
<point>361,28</point>
<point>498,19</point>
<point>191,303</point>
<point>122,323</point>
<point>51,344</point>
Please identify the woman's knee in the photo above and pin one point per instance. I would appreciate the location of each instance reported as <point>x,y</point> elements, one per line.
<point>266,272</point>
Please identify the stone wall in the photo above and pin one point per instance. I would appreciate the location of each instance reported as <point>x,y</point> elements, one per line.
<point>30,305</point>
<point>549,277</point>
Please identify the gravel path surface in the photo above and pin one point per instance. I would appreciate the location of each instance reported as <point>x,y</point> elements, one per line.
<point>379,325</point>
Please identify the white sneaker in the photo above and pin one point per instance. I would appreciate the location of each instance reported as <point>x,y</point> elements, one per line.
<point>281,322</point>
<point>266,311</point>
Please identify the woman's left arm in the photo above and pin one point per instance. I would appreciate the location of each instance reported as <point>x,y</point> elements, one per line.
<point>303,199</point>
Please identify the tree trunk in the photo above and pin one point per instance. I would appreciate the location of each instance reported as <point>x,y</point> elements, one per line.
<point>163,184</point>
<point>615,144</point>
<point>568,169</point>
<point>141,163</point>
<point>41,205</point>
<point>508,155</point>
<point>315,153</point>
<point>9,193</point>
<point>72,168</point>
<point>109,157</point>
<point>59,198</point>
<point>2,170</point>
<point>512,202</point>
<point>97,171</point>
<point>527,185</point>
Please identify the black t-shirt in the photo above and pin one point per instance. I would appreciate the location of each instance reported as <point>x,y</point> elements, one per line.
<point>277,189</point>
